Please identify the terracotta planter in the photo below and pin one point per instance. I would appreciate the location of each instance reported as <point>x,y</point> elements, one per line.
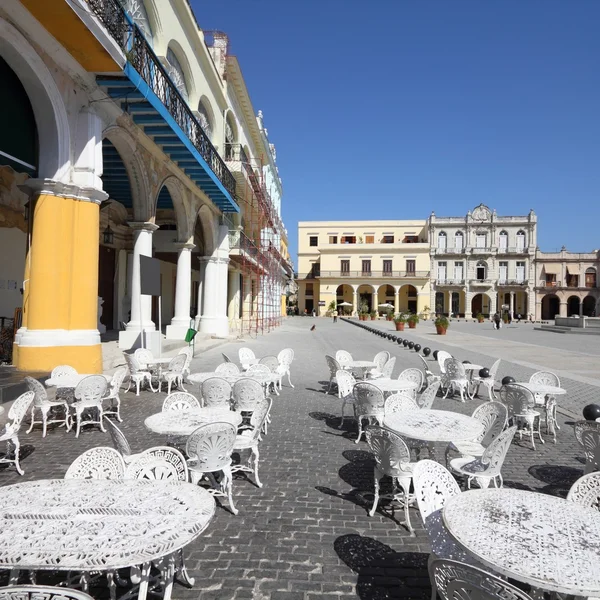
<point>480,320</point>
<point>399,326</point>
<point>411,325</point>
<point>389,318</point>
<point>373,318</point>
<point>440,330</point>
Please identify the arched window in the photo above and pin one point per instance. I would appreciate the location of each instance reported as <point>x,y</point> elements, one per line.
<point>442,237</point>
<point>481,271</point>
<point>459,240</point>
<point>229,138</point>
<point>176,74</point>
<point>503,240</point>
<point>520,240</point>
<point>204,119</point>
<point>590,277</point>
<point>138,13</point>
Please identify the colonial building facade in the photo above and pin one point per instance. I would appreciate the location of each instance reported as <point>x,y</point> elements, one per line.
<point>122,133</point>
<point>482,263</point>
<point>363,263</point>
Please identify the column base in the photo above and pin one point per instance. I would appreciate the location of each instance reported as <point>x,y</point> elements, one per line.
<point>218,326</point>
<point>134,326</point>
<point>131,340</point>
<point>177,330</point>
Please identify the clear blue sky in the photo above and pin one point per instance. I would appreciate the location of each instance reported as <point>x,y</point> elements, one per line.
<point>394,108</point>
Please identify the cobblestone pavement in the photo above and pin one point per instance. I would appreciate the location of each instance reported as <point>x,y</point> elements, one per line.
<point>306,534</point>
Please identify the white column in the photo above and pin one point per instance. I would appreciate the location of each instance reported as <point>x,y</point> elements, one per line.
<point>202,276</point>
<point>355,300</point>
<point>214,310</point>
<point>397,289</point>
<point>233,307</point>
<point>183,289</point>
<point>512,304</point>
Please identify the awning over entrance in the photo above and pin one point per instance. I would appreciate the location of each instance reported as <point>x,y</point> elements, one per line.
<point>552,269</point>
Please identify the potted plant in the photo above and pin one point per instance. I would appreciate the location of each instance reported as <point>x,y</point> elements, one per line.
<point>412,321</point>
<point>389,314</point>
<point>479,317</point>
<point>505,318</point>
<point>425,313</point>
<point>441,324</point>
<point>400,320</point>
<point>373,315</point>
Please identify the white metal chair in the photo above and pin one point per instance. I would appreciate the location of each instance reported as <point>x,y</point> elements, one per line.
<point>333,366</point>
<point>427,398</point>
<point>345,381</point>
<point>392,458</point>
<point>246,395</point>
<point>415,376</point>
<point>160,463</point>
<point>174,374</point>
<point>97,463</point>
<point>247,357</point>
<point>216,392</point>
<point>143,356</point>
<point>429,374</point>
<point>119,441</point>
<point>493,416</point>
<point>547,401</point>
<point>89,394</point>
<point>209,450</point>
<point>380,359</point>
<point>10,435</point>
<point>180,401</point>
<point>343,358</point>
<point>520,404</point>
<point>458,581</point>
<point>41,403</point>
<point>66,371</point>
<point>388,368</point>
<point>41,592</point>
<point>586,491</point>
<point>137,375</point>
<point>227,369</point>
<point>399,402</point>
<point>590,440</point>
<point>285,358</point>
<point>488,466</point>
<point>488,382</point>
<point>113,398</point>
<point>368,405</point>
<point>249,438</point>
<point>455,378</point>
<point>273,363</point>
<point>188,352</point>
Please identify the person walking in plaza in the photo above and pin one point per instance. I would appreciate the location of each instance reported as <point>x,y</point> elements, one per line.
<point>335,316</point>
<point>497,321</point>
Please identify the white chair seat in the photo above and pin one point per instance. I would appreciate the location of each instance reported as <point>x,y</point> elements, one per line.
<point>243,442</point>
<point>468,465</point>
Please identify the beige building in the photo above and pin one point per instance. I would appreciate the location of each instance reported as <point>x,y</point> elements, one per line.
<point>566,284</point>
<point>363,262</point>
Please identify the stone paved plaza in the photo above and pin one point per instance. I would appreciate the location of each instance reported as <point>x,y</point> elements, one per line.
<point>306,534</point>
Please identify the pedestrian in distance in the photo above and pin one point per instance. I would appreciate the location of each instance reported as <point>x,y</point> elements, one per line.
<point>314,312</point>
<point>335,316</point>
<point>497,321</point>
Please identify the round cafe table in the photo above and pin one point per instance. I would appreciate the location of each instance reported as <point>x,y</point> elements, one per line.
<point>393,385</point>
<point>361,366</point>
<point>185,422</point>
<point>538,539</point>
<point>543,390</point>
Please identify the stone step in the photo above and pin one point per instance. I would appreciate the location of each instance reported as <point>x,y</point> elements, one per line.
<point>559,329</point>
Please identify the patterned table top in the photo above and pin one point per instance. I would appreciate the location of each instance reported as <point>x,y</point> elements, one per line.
<point>199,378</point>
<point>434,425</point>
<point>185,422</point>
<point>92,524</point>
<point>70,381</point>
<point>538,539</point>
<point>546,390</point>
<point>393,385</point>
<point>360,364</point>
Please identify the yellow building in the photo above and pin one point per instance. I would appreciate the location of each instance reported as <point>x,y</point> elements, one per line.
<point>363,263</point>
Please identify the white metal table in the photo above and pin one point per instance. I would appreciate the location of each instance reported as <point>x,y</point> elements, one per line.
<point>360,365</point>
<point>100,525</point>
<point>393,385</point>
<point>185,422</point>
<point>538,539</point>
<point>70,381</point>
<point>544,390</point>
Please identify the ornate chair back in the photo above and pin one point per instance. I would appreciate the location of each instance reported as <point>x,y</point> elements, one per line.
<point>158,463</point>
<point>434,486</point>
<point>427,398</point>
<point>177,364</point>
<point>247,393</point>
<point>591,446</point>
<point>271,362</point>
<point>180,401</point>
<point>455,370</point>
<point>188,352</point>
<point>36,592</point>
<point>415,375</point>
<point>380,359</point>
<point>227,368</point>
<point>368,400</point>
<point>40,394</point>
<point>399,402</point>
<point>545,378</point>
<point>117,380</point>
<point>246,355</point>
<point>391,453</point>
<point>494,369</point>
<point>63,371</point>
<point>97,463</point>
<point>517,399</point>
<point>345,381</point>
<point>210,446</point>
<point>493,417</point>
<point>19,409</point>
<point>442,357</point>
<point>581,426</point>
<point>142,355</point>
<point>258,370</point>
<point>343,357</point>
<point>495,453</point>
<point>226,358</point>
<point>216,392</point>
<point>586,491</point>
<point>333,365</point>
<point>257,419</point>
<point>388,368</point>
<point>286,357</point>
<point>118,439</point>
<point>132,363</point>
<point>454,580</point>
<point>91,389</point>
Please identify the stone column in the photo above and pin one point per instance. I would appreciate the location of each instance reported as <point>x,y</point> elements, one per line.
<point>355,299</point>
<point>493,303</point>
<point>511,309</point>
<point>397,289</point>
<point>563,309</point>
<point>202,276</point>
<point>233,311</point>
<point>214,317</point>
<point>183,289</point>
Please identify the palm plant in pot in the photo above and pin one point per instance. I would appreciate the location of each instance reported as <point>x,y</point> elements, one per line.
<point>400,320</point>
<point>412,321</point>
<point>441,324</point>
<point>373,315</point>
<point>389,314</point>
<point>479,317</point>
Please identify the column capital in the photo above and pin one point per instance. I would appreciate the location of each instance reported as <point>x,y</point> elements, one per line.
<point>51,187</point>
<point>216,260</point>
<point>143,225</point>
<point>185,245</point>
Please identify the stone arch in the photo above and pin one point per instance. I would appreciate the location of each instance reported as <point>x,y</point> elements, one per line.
<point>550,307</point>
<point>46,101</point>
<point>459,239</point>
<point>573,305</point>
<point>589,306</point>
<point>591,276</point>
<point>481,264</point>
<point>442,239</point>
<point>175,47</point>
<point>481,304</point>
<point>206,117</point>
<point>182,218</point>
<point>205,220</point>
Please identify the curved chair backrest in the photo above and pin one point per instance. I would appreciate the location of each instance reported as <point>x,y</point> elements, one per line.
<point>581,426</point>
<point>285,357</point>
<point>442,357</point>
<point>333,365</point>
<point>271,362</point>
<point>19,409</point>
<point>390,450</point>
<point>494,369</point>
<point>434,486</point>
<point>97,463</point>
<point>37,388</point>
<point>454,369</point>
<point>517,399</point>
<point>247,393</point>
<point>590,440</point>
<point>343,357</point>
<point>37,592</point>
<point>388,368</point>
<point>211,446</point>
<point>368,399</point>
<point>63,371</point>
<point>257,419</point>
<point>180,401</point>
<point>493,416</point>
<point>545,378</point>
<point>454,580</point>
<point>177,363</point>
<point>158,463</point>
<point>117,379</point>
<point>586,491</point>
<point>132,363</point>
<point>425,364</point>
<point>227,368</point>
<point>246,355</point>
<point>495,453</point>
<point>188,352</point>
<point>142,355</point>
<point>380,359</point>
<point>225,357</point>
<point>258,370</point>
<point>91,389</point>
<point>345,381</point>
<point>216,392</point>
<point>399,402</point>
<point>118,439</point>
<point>427,398</point>
<point>415,375</point>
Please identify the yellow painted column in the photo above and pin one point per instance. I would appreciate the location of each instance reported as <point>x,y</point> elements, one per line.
<point>60,310</point>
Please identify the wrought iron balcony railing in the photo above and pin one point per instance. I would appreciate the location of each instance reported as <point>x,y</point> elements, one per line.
<point>450,282</point>
<point>240,241</point>
<point>382,274</point>
<point>512,281</point>
<point>142,58</point>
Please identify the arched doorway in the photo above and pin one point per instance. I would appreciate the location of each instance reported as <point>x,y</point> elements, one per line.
<point>367,297</point>
<point>386,295</point>
<point>550,307</point>
<point>480,304</point>
<point>408,299</point>
<point>589,306</point>
<point>345,293</point>
<point>573,304</point>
